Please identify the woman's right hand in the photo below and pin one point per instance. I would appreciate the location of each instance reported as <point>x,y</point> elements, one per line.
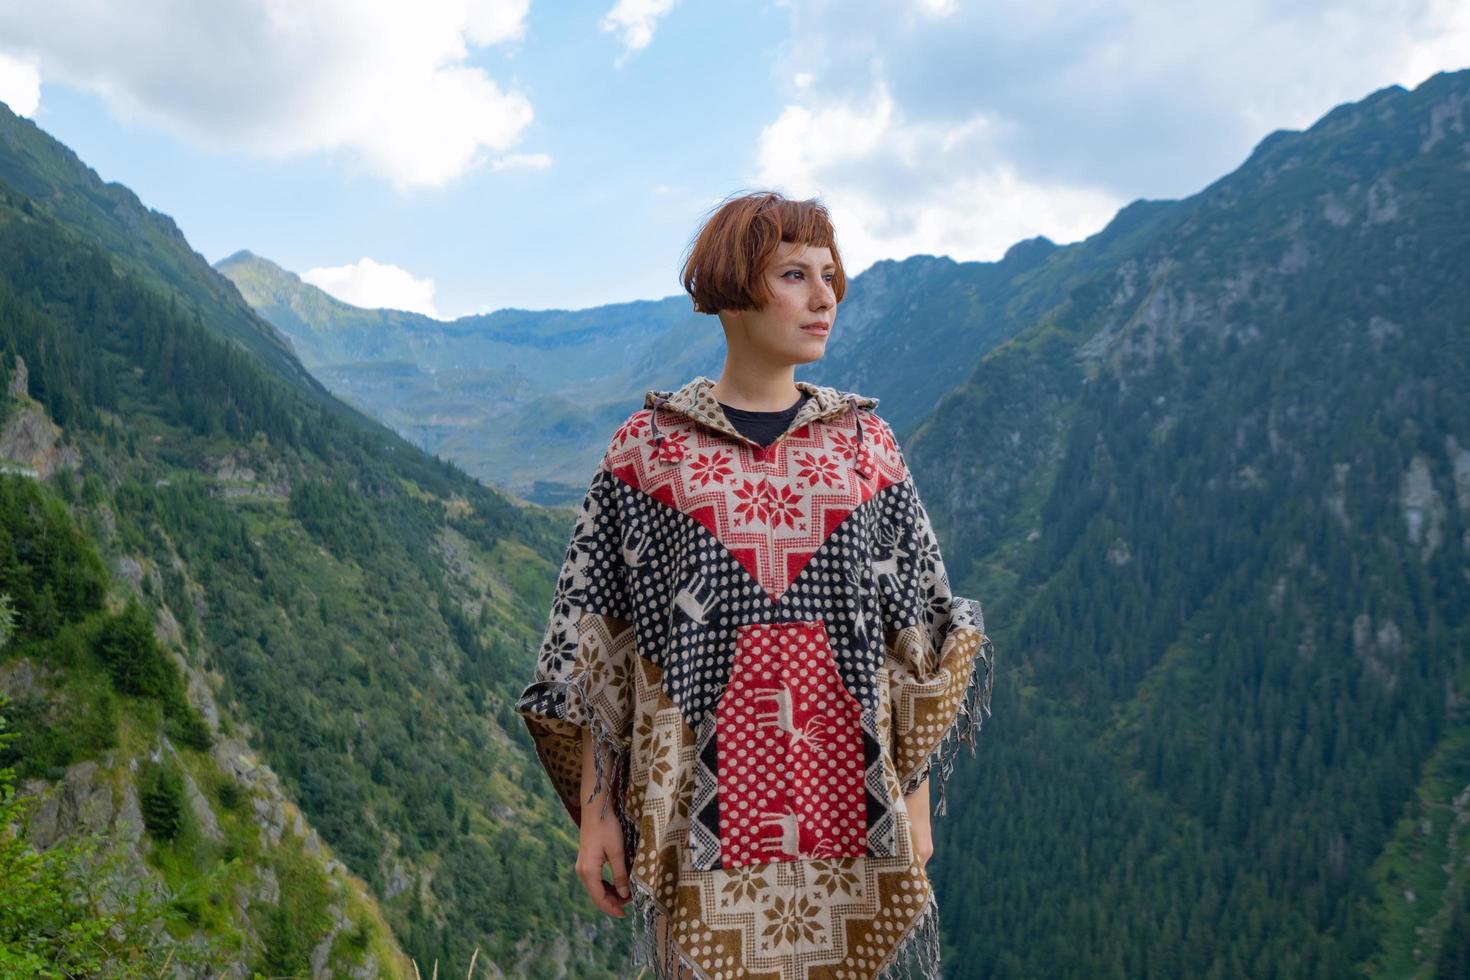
<point>601,843</point>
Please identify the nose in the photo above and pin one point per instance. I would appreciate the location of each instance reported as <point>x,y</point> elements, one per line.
<point>824,296</point>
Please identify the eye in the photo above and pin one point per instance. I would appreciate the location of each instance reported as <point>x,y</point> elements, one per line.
<point>791,272</point>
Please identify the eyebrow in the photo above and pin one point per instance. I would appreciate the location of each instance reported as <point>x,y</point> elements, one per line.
<point>808,265</point>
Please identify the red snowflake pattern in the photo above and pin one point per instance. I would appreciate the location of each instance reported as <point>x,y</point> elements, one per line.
<point>707,468</point>
<point>817,468</point>
<point>792,496</point>
<point>845,443</point>
<point>755,501</point>
<point>849,446</point>
<point>783,505</point>
<point>882,436</point>
<point>632,429</point>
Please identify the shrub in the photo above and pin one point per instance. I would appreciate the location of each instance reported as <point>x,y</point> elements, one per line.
<point>161,798</point>
<point>66,911</point>
<point>134,659</point>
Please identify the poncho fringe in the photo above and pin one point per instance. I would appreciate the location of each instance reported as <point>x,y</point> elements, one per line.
<point>606,747</point>
<point>965,729</point>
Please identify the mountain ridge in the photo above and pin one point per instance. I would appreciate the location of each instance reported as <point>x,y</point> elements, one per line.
<point>363,609</point>
<point>1206,474</point>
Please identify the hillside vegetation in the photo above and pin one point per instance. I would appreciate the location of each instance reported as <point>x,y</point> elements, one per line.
<point>358,615</point>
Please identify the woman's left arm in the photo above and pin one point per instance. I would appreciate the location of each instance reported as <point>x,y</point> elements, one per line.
<point>917,804</point>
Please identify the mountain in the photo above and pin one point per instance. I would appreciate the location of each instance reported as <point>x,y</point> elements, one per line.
<point>1217,502</point>
<point>112,752</point>
<point>523,399</point>
<point>145,242</point>
<point>349,618</point>
<point>1208,471</point>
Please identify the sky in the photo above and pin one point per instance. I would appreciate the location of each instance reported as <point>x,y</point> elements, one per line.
<point>461,156</point>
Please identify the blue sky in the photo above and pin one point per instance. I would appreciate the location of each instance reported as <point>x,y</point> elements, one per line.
<point>459,156</point>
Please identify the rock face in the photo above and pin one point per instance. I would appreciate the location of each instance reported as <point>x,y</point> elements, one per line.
<point>1423,507</point>
<point>236,474</point>
<point>19,379</point>
<point>80,801</point>
<point>86,801</point>
<point>100,796</point>
<point>29,438</point>
<point>21,680</point>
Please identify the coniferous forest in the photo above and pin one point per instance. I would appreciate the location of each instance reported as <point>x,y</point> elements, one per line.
<point>362,613</point>
<point>1208,473</point>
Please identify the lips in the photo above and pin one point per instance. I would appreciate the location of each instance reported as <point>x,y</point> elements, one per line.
<point>818,328</point>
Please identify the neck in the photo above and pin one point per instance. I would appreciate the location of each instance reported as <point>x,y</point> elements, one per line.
<point>756,388</point>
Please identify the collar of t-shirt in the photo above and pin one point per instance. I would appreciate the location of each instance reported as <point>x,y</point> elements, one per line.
<point>763,427</point>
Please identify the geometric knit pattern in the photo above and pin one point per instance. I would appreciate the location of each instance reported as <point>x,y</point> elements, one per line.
<point>764,643</point>
<point>770,507</point>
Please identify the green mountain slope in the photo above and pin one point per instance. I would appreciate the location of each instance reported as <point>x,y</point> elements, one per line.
<point>359,614</point>
<point>140,239</point>
<point>110,750</point>
<point>1219,500</point>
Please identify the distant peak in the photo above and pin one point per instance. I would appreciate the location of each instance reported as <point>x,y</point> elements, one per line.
<point>247,259</point>
<point>1029,248</point>
<point>1027,253</point>
<point>243,255</point>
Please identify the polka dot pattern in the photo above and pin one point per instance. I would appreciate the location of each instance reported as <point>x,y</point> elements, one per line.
<point>791,759</point>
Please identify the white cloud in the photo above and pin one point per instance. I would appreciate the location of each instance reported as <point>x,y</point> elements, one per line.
<point>635,19</point>
<point>375,285</point>
<point>1442,41</point>
<point>939,8</point>
<point>522,161</point>
<point>20,85</point>
<point>387,82</point>
<point>940,127</point>
<point>898,186</point>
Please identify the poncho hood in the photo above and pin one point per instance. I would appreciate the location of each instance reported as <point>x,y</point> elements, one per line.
<point>695,401</point>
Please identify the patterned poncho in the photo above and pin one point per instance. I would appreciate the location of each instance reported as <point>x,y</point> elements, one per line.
<point>765,646</point>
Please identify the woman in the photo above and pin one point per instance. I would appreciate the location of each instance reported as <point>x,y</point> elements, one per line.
<point>753,655</point>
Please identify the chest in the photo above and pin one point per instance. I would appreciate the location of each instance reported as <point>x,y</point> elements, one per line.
<point>770,509</point>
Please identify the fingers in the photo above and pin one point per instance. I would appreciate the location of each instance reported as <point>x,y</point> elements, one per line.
<point>923,844</point>
<point>612,903</point>
<point>605,895</point>
<point>620,874</point>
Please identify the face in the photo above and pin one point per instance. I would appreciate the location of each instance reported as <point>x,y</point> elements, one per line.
<point>793,327</point>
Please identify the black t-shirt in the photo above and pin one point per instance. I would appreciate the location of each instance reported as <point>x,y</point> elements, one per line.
<point>763,427</point>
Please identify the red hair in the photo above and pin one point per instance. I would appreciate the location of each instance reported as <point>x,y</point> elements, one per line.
<point>726,266</point>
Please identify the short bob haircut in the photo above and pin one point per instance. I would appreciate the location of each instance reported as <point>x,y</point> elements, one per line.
<point>726,266</point>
